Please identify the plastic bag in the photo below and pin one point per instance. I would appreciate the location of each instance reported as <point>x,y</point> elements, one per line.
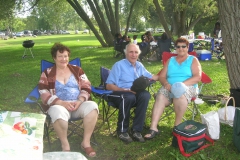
<point>211,119</point>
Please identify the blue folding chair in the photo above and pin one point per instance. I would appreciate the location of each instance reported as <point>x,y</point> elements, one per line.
<point>102,95</point>
<point>34,96</point>
<point>100,92</point>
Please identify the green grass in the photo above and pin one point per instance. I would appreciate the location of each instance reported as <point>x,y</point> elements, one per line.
<point>19,76</point>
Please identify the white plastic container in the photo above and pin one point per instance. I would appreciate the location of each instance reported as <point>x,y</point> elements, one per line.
<point>201,35</point>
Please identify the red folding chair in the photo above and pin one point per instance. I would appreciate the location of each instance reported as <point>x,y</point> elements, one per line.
<point>205,79</point>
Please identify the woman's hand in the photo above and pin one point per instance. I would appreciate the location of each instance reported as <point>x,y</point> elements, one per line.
<point>77,105</point>
<point>70,106</point>
<point>167,86</point>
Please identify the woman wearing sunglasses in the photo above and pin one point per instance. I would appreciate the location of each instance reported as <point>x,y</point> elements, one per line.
<point>179,78</point>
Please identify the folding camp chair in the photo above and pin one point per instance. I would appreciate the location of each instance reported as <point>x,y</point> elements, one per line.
<point>204,80</point>
<point>117,48</point>
<point>34,96</point>
<point>217,49</point>
<point>100,92</point>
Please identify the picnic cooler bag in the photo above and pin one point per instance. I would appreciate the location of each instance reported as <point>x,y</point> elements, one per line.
<point>190,136</point>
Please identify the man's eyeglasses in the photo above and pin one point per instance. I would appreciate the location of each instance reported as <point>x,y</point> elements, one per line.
<point>181,46</point>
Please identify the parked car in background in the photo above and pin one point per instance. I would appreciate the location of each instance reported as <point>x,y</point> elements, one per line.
<point>37,32</point>
<point>150,29</point>
<point>86,31</point>
<point>2,34</point>
<point>19,34</point>
<point>132,30</point>
<point>27,33</point>
<point>53,31</point>
<point>64,32</point>
<point>160,30</point>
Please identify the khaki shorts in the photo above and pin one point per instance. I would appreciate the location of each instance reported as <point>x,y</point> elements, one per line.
<point>59,112</point>
<point>189,94</point>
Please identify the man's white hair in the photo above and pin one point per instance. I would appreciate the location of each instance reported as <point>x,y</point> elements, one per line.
<point>129,44</point>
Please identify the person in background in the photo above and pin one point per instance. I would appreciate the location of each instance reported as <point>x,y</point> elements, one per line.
<point>120,80</point>
<point>164,45</point>
<point>118,37</point>
<point>144,47</point>
<point>135,39</point>
<point>65,92</point>
<point>148,37</point>
<point>125,38</point>
<point>216,30</point>
<point>184,70</point>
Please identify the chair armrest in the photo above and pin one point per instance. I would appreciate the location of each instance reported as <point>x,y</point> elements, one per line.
<point>99,91</point>
<point>33,96</point>
<point>151,81</point>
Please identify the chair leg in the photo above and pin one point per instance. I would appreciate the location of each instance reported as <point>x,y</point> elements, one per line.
<point>78,126</point>
<point>94,139</point>
<point>195,111</point>
<point>46,130</point>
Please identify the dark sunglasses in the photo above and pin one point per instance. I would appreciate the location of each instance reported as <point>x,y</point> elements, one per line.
<point>181,46</point>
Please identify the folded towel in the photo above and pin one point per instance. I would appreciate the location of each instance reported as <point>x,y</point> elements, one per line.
<point>178,89</point>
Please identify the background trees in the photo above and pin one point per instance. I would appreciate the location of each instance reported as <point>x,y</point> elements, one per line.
<point>106,17</point>
<point>182,16</point>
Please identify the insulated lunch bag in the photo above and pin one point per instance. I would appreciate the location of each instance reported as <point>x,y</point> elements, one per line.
<point>190,136</point>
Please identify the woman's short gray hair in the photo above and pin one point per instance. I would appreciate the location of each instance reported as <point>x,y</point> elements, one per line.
<point>129,44</point>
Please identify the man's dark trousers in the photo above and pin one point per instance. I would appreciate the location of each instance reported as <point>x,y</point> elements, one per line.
<point>124,101</point>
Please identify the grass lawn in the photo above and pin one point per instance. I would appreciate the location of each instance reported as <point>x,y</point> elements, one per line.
<point>19,76</point>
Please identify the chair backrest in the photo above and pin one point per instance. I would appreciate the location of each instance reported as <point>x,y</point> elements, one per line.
<point>167,55</point>
<point>46,64</point>
<point>164,45</point>
<point>34,94</point>
<point>104,72</point>
<point>123,45</point>
<point>205,78</point>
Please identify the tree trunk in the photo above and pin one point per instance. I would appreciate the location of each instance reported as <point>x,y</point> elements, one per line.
<point>162,18</point>
<point>117,16</point>
<point>98,14</point>
<point>110,15</point>
<point>129,16</point>
<point>229,12</point>
<point>84,16</point>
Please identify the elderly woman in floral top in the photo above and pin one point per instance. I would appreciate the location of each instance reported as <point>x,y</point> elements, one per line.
<point>65,92</point>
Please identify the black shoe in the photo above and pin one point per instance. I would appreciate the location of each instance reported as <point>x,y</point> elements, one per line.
<point>138,137</point>
<point>124,136</point>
